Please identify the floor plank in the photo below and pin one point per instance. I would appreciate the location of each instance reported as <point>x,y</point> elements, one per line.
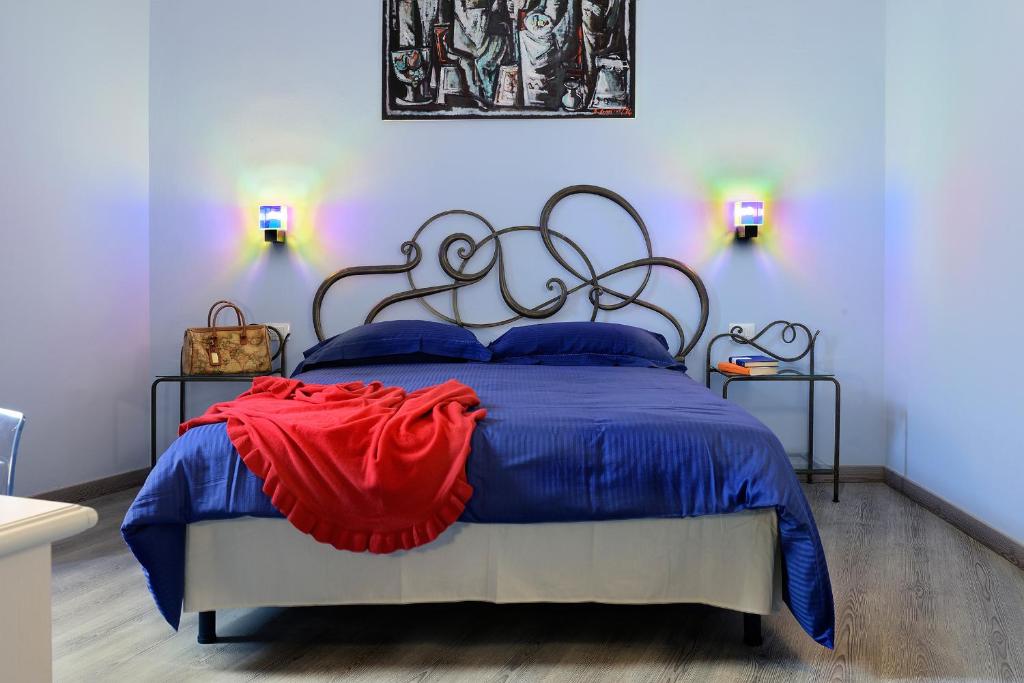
<point>915,599</point>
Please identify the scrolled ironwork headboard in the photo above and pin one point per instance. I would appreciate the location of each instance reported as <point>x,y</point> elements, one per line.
<point>601,297</point>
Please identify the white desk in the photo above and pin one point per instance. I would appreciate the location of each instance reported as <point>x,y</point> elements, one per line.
<point>27,529</point>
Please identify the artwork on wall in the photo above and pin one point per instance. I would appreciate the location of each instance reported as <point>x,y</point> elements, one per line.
<point>509,59</point>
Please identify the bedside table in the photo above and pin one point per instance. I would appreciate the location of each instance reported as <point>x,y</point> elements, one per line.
<point>183,380</point>
<point>789,332</point>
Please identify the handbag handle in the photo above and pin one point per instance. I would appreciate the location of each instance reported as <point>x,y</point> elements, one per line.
<point>220,306</point>
<point>217,308</point>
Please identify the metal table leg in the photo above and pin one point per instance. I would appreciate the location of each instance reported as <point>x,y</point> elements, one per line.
<point>181,402</point>
<point>810,432</point>
<point>152,423</point>
<point>835,454</point>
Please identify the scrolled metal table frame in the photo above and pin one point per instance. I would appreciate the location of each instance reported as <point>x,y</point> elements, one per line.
<point>789,333</point>
<point>182,380</point>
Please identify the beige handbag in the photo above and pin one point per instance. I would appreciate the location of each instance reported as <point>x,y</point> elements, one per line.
<point>212,350</point>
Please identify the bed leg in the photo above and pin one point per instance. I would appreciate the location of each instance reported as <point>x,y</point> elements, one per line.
<point>752,630</point>
<point>207,628</point>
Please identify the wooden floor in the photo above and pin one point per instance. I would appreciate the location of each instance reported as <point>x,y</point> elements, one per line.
<point>915,599</point>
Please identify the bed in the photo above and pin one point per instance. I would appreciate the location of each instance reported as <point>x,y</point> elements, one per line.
<point>592,483</point>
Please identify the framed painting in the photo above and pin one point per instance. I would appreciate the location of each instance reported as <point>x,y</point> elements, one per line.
<point>484,59</point>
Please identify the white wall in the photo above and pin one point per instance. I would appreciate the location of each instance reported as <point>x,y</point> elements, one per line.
<point>74,235</point>
<point>796,113</point>
<point>955,128</point>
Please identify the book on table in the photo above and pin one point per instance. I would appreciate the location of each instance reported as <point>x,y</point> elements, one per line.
<point>754,361</point>
<point>758,371</point>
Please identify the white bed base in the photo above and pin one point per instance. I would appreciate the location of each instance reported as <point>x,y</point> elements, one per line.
<point>728,561</point>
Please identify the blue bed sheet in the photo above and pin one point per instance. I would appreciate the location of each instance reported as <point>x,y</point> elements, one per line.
<point>558,444</point>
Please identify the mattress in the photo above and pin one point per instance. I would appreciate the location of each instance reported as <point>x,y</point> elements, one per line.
<point>728,561</point>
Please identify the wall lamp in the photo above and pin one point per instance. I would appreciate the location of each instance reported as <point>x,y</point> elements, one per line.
<point>274,223</point>
<point>748,217</point>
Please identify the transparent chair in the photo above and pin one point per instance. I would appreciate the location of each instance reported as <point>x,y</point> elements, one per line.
<point>11,424</point>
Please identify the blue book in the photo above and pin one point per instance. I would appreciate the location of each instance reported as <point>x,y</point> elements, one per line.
<point>754,361</point>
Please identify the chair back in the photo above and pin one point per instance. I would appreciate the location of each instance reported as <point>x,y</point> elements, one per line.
<point>11,424</point>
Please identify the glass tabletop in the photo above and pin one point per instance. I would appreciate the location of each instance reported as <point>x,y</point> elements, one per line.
<point>782,374</point>
<point>225,378</point>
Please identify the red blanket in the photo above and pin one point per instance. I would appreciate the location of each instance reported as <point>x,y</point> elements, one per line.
<point>359,466</point>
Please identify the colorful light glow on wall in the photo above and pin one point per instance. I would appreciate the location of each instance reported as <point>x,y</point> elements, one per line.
<point>748,217</point>
<point>726,189</point>
<point>274,223</point>
<point>299,187</point>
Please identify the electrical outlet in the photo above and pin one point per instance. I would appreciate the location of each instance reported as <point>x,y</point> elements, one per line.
<point>748,330</point>
<point>283,328</point>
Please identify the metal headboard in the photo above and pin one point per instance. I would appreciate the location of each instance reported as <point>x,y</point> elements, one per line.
<point>602,297</point>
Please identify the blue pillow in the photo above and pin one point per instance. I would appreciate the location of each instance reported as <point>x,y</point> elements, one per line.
<point>397,341</point>
<point>584,344</point>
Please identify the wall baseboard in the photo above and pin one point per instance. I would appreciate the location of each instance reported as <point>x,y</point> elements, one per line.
<point>94,489</point>
<point>999,542</point>
<point>853,474</point>
<point>850,474</point>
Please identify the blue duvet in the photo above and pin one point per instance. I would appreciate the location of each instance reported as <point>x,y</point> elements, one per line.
<point>558,444</point>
